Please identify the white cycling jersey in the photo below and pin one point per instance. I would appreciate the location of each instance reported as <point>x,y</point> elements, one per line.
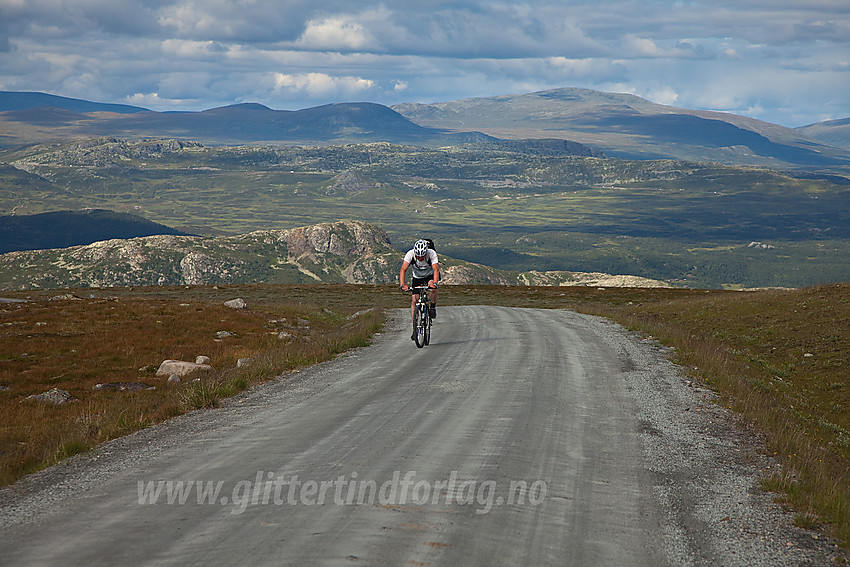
<point>424,268</point>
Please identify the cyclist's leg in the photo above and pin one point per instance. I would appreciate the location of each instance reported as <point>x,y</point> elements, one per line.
<point>416,282</point>
<point>415,319</point>
<point>427,328</point>
<point>433,306</point>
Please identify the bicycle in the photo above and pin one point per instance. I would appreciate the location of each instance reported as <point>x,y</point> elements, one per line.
<point>421,317</point>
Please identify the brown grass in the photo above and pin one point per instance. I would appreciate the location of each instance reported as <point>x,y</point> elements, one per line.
<point>123,335</point>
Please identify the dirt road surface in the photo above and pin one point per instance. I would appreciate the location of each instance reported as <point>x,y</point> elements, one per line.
<point>518,437</point>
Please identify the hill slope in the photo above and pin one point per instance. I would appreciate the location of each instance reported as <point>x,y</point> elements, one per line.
<point>344,251</point>
<point>24,122</point>
<point>628,126</point>
<point>61,229</point>
<point>834,132</point>
<point>619,125</point>
<point>11,100</point>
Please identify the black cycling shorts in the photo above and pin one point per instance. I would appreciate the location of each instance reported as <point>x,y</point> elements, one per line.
<point>421,282</point>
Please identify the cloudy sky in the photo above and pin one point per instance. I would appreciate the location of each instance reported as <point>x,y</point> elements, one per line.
<point>784,61</point>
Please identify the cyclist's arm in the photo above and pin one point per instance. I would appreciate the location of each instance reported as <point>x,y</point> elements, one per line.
<point>402,273</point>
<point>436,266</point>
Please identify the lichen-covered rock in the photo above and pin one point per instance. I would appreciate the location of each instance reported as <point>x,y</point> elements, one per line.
<point>321,253</point>
<point>195,267</point>
<point>561,278</point>
<point>54,396</point>
<point>237,303</point>
<point>180,368</point>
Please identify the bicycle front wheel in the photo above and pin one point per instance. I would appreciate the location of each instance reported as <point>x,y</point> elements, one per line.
<point>419,320</point>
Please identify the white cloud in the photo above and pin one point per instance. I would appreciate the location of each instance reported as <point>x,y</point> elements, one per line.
<point>665,95</point>
<point>337,33</point>
<point>153,100</point>
<point>641,47</point>
<point>321,84</point>
<point>188,20</point>
<point>189,49</point>
<point>635,46</point>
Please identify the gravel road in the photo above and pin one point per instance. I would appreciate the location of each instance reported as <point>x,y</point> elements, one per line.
<point>518,437</point>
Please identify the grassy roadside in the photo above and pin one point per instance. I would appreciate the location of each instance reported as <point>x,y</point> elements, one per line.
<point>780,358</point>
<point>121,336</point>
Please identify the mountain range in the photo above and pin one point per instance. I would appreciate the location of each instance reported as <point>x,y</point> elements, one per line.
<point>619,125</point>
<point>627,126</point>
<point>50,117</point>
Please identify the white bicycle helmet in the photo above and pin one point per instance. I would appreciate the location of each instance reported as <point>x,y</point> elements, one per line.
<point>420,248</point>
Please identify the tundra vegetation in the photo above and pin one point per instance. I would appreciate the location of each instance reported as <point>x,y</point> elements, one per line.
<point>778,357</point>
<point>517,206</point>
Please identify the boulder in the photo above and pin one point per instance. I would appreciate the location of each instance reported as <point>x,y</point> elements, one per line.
<point>180,368</point>
<point>237,303</point>
<point>54,396</point>
<point>202,360</point>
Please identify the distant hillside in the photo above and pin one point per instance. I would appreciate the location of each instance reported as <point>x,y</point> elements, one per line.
<point>10,100</point>
<point>833,132</point>
<point>61,229</point>
<point>618,125</point>
<point>229,125</point>
<point>255,123</point>
<point>344,251</point>
<point>628,126</point>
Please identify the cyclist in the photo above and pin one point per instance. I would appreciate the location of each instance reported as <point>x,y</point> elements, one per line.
<point>426,271</point>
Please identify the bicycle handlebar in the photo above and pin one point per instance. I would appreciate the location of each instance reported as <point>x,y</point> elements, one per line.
<point>419,289</point>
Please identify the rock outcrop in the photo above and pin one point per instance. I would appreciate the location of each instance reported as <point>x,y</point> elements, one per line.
<point>344,251</point>
<point>340,252</point>
<point>559,278</point>
<point>180,368</point>
<point>53,396</point>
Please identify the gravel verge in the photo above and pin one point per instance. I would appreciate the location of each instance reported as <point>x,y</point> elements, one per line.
<point>707,467</point>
